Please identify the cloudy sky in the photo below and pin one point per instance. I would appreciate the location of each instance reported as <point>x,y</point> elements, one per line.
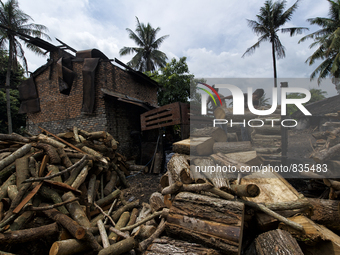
<point>212,35</point>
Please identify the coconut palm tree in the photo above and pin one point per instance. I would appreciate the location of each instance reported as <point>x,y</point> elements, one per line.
<point>13,21</point>
<point>269,21</point>
<point>147,57</point>
<point>328,40</point>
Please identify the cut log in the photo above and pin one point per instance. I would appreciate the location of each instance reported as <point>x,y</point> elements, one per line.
<point>50,151</point>
<point>268,150</point>
<point>4,187</point>
<point>17,154</point>
<point>265,143</point>
<point>277,242</point>
<point>273,189</point>
<point>21,166</point>
<point>73,227</point>
<point>324,155</point>
<point>64,158</point>
<point>108,199</point>
<point>14,137</point>
<point>120,247</point>
<point>138,168</point>
<point>116,215</point>
<point>45,139</point>
<point>314,233</point>
<point>229,147</point>
<point>76,211</point>
<point>195,146</point>
<point>156,201</point>
<point>123,220</point>
<point>27,235</point>
<point>196,218</point>
<point>54,196</point>
<point>179,169</point>
<point>249,190</point>
<point>90,189</point>
<point>68,247</point>
<point>166,245</point>
<point>216,133</point>
<point>103,234</point>
<point>326,212</point>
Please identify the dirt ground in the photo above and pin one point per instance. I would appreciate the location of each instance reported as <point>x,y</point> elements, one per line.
<point>299,149</point>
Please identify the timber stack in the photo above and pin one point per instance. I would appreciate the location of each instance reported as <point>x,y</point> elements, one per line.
<point>260,215</point>
<point>67,189</point>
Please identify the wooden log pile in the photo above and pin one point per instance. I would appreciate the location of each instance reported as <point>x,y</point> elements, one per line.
<point>276,219</point>
<point>67,189</point>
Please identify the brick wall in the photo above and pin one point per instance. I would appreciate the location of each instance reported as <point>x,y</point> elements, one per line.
<point>60,112</point>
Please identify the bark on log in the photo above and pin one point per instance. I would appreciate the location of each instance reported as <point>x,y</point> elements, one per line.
<point>27,235</point>
<point>90,189</point>
<point>116,215</point>
<point>54,196</point>
<point>133,217</point>
<point>123,220</point>
<point>166,245</point>
<point>156,202</point>
<point>144,232</point>
<point>14,137</point>
<point>229,147</point>
<point>249,190</point>
<point>21,166</point>
<point>179,169</point>
<point>81,177</point>
<point>161,227</point>
<point>75,172</point>
<point>17,154</point>
<point>51,152</point>
<point>172,188</point>
<point>103,234</point>
<point>164,181</point>
<point>121,176</point>
<point>45,139</point>
<point>278,241</point>
<point>265,143</point>
<point>195,218</point>
<point>326,212</point>
<point>76,211</point>
<point>216,133</point>
<point>12,191</point>
<point>68,247</point>
<point>54,170</point>
<point>65,160</point>
<point>73,227</point>
<point>111,184</point>
<point>4,187</point>
<point>332,183</point>
<point>108,199</point>
<point>138,168</point>
<point>324,155</point>
<point>120,247</point>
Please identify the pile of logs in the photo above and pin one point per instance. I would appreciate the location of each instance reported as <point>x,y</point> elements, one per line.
<point>67,189</point>
<point>245,213</point>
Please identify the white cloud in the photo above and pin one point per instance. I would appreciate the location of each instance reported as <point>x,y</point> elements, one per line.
<point>212,35</point>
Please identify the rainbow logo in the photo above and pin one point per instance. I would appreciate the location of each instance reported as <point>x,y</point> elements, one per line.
<point>209,93</point>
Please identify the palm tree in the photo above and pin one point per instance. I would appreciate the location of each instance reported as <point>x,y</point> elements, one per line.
<point>271,17</point>
<point>147,57</point>
<point>327,38</point>
<point>16,21</point>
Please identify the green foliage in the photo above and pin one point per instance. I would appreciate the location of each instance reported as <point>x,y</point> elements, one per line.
<point>147,57</point>
<point>316,95</point>
<point>174,80</point>
<point>327,38</point>
<point>19,120</point>
<point>269,21</point>
<point>263,101</point>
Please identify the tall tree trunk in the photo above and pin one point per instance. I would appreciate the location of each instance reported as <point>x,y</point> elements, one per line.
<point>8,83</point>
<point>274,63</point>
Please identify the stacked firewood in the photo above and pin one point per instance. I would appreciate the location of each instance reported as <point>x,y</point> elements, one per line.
<point>74,183</point>
<point>215,205</point>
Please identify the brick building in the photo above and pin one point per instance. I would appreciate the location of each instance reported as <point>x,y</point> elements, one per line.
<point>90,91</point>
